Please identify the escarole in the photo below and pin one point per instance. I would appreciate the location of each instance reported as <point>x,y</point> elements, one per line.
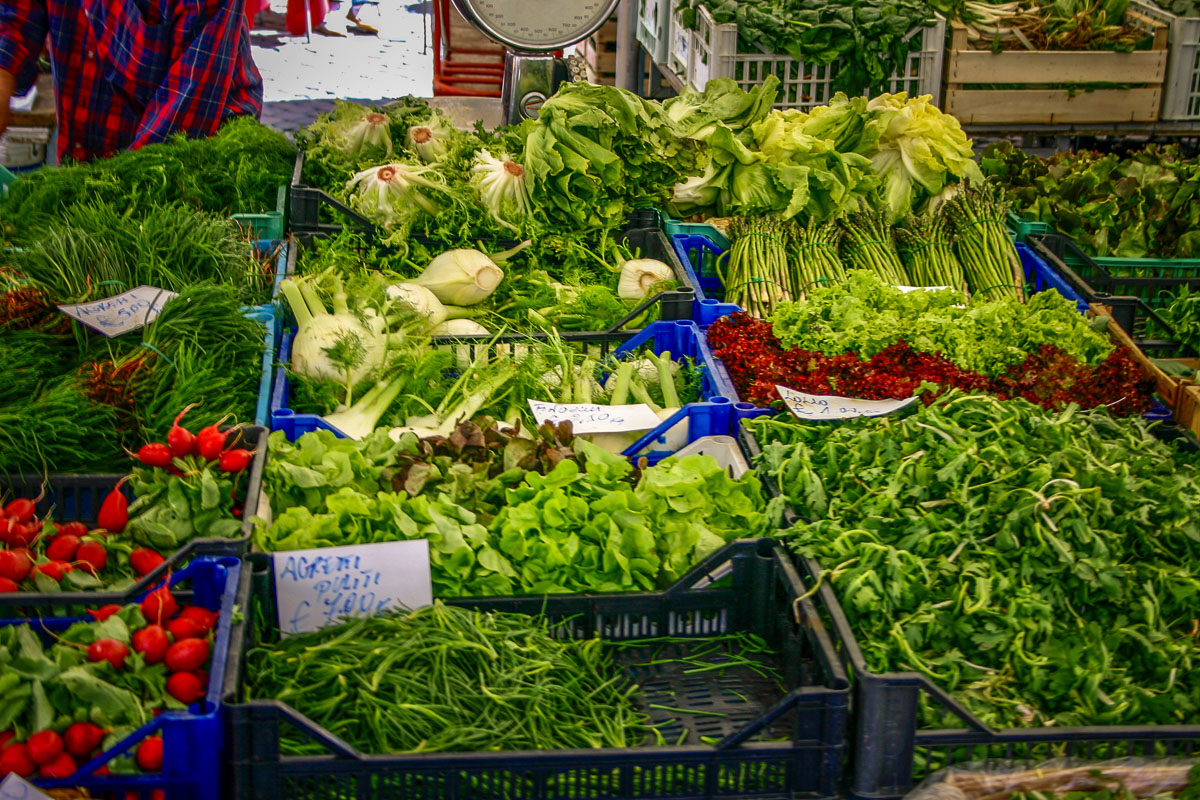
<point>430,140</point>
<point>394,192</point>
<point>500,184</point>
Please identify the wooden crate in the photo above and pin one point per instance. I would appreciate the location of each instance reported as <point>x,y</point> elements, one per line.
<point>1181,394</point>
<point>1146,68</point>
<point>599,52</point>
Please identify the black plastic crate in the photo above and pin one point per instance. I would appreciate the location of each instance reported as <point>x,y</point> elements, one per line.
<point>79,497</point>
<point>1154,280</point>
<point>890,753</point>
<point>750,585</point>
<point>1132,299</point>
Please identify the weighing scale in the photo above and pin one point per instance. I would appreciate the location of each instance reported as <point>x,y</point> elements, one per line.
<point>534,29</point>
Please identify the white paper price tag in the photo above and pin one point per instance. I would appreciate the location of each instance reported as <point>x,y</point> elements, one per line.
<point>121,313</point>
<point>588,418</point>
<point>907,289</point>
<point>14,787</point>
<point>315,588</point>
<point>823,406</point>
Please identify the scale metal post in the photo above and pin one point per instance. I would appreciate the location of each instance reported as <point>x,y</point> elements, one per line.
<point>534,29</point>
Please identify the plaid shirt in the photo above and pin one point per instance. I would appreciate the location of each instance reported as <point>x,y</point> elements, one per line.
<point>128,73</point>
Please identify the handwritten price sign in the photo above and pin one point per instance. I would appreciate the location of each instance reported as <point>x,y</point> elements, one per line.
<point>121,313</point>
<point>588,418</point>
<point>315,588</point>
<point>824,406</point>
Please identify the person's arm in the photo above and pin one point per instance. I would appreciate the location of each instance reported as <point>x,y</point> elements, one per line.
<point>23,28</point>
<point>192,95</point>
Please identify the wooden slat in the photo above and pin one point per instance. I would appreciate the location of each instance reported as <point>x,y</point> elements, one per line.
<point>1187,410</point>
<point>599,60</point>
<point>1169,387</point>
<point>979,66</point>
<point>1049,106</point>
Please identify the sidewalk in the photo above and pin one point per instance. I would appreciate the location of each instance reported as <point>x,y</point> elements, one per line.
<point>303,77</point>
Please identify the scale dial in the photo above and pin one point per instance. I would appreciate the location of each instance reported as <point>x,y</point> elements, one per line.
<point>537,26</point>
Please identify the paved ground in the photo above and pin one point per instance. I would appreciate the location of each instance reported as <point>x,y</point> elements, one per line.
<point>302,77</point>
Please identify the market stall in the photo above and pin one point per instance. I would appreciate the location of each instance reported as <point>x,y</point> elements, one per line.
<point>774,440</point>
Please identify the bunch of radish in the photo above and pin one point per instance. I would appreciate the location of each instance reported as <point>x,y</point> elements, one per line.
<point>210,444</point>
<point>30,548</point>
<point>176,636</point>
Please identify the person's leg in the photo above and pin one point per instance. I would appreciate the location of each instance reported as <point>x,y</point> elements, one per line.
<point>319,10</point>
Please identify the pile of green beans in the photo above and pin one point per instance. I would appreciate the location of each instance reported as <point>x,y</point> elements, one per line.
<point>445,678</point>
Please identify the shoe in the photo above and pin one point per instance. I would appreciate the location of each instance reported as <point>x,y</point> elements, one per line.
<point>358,27</point>
<point>323,30</point>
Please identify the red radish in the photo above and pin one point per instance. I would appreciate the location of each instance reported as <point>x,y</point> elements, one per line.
<point>63,548</point>
<point>202,674</point>
<point>201,616</point>
<point>187,655</point>
<point>109,650</point>
<point>236,460</point>
<point>182,628</point>
<point>104,612</point>
<point>5,738</point>
<point>15,758</point>
<point>150,754</point>
<point>44,747</point>
<point>22,535</point>
<point>73,528</point>
<point>5,528</point>
<point>53,569</point>
<point>81,738</point>
<point>155,454</point>
<point>15,564</point>
<point>159,606</point>
<point>93,554</point>
<point>152,642</point>
<point>21,509</point>
<point>180,439</point>
<point>185,687</point>
<point>102,770</point>
<point>144,560</point>
<point>114,511</point>
<point>210,442</point>
<point>8,586</point>
<point>63,766</point>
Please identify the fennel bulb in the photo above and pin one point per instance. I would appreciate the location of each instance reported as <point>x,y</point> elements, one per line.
<point>464,277</point>
<point>430,140</point>
<point>420,301</point>
<point>339,346</point>
<point>359,420</point>
<point>500,183</point>
<point>389,192</point>
<point>460,327</point>
<point>640,275</point>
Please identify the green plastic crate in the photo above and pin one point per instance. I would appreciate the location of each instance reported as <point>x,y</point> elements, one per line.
<point>268,225</point>
<point>1021,228</point>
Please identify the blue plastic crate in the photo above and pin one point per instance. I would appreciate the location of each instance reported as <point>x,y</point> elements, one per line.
<point>682,338</point>
<point>192,739</point>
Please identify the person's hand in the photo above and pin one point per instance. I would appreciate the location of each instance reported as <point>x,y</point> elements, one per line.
<point>8,85</point>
